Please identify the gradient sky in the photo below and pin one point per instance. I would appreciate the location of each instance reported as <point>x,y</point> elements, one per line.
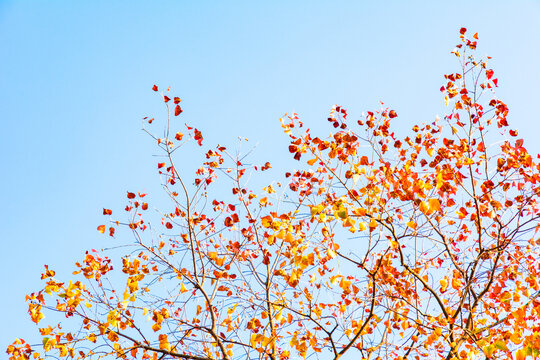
<point>76,78</point>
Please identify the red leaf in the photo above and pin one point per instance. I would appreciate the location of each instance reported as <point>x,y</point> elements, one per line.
<point>168,225</point>
<point>111,231</point>
<point>177,100</point>
<point>145,206</point>
<point>155,88</point>
<point>489,73</point>
<point>179,136</point>
<point>198,136</point>
<point>130,195</point>
<point>160,165</point>
<point>177,110</point>
<point>462,30</point>
<point>364,160</point>
<point>392,114</point>
<point>513,132</point>
<point>107,211</point>
<point>166,99</point>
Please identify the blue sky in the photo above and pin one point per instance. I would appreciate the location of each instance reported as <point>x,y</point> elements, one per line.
<point>76,80</point>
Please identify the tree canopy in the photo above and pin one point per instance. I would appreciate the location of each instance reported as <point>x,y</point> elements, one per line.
<point>379,246</point>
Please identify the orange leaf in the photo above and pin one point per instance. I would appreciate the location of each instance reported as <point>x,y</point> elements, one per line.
<point>521,354</point>
<point>434,205</point>
<point>101,228</point>
<point>164,342</point>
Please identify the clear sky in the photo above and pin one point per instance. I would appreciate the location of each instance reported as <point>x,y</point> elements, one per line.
<point>76,78</point>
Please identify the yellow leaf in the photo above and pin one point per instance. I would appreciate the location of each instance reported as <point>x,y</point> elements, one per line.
<point>468,161</point>
<point>501,345</point>
<point>35,312</point>
<point>266,221</point>
<point>317,209</point>
<point>266,341</point>
<point>342,214</point>
<point>411,224</point>
<point>348,222</point>
<point>331,253</point>
<point>424,207</point>
<point>255,339</point>
<point>231,310</point>
<point>92,338</point>
<point>112,318</point>
<point>444,284</point>
<point>456,283</point>
<point>183,289</point>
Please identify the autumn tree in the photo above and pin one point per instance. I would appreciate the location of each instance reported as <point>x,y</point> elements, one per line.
<point>379,246</point>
